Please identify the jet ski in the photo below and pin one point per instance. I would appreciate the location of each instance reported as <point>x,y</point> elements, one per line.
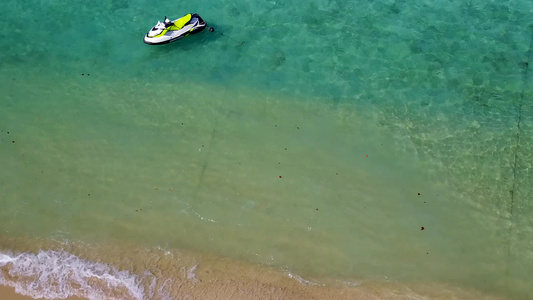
<point>170,31</point>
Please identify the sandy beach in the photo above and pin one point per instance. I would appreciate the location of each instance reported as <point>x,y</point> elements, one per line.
<point>225,278</point>
<point>223,289</point>
<point>8,293</point>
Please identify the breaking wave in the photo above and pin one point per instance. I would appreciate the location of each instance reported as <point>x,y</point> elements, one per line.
<point>59,274</point>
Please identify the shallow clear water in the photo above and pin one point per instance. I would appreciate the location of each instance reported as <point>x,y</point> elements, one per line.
<point>316,137</point>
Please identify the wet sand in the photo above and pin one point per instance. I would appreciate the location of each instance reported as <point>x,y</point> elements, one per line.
<point>251,288</point>
<point>215,277</point>
<point>8,293</point>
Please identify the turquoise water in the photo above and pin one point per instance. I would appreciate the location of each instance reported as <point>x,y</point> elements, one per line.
<point>318,138</point>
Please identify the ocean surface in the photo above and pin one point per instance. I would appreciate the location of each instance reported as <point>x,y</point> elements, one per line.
<point>339,143</point>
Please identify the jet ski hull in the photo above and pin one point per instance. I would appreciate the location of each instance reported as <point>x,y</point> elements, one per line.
<point>175,32</point>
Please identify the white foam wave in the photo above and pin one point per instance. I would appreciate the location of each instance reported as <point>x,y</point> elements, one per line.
<point>301,280</point>
<point>191,274</point>
<point>350,283</point>
<point>59,274</point>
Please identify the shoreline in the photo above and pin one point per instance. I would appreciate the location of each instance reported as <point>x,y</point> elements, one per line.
<point>223,278</point>
<point>8,293</point>
<point>193,275</point>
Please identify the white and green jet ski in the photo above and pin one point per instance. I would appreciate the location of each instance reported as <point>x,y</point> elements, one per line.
<point>170,31</point>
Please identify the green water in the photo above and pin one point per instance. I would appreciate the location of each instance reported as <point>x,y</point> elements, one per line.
<point>316,137</point>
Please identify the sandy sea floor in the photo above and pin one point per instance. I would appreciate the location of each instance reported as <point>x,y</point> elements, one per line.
<point>333,170</point>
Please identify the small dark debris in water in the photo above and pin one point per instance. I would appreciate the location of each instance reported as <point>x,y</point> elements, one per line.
<point>277,58</point>
<point>279,163</point>
<point>297,127</point>
<point>422,228</point>
<point>181,123</point>
<point>427,252</point>
<point>12,142</point>
<point>424,201</point>
<point>366,155</point>
<point>88,74</point>
<point>8,132</point>
<point>279,176</point>
<point>317,209</point>
<point>337,173</point>
<point>82,74</point>
<point>285,148</point>
<point>202,145</point>
<point>415,47</point>
<point>418,194</point>
<point>276,125</point>
<point>88,194</point>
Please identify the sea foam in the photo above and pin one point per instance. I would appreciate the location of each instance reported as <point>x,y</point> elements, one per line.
<point>59,274</point>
